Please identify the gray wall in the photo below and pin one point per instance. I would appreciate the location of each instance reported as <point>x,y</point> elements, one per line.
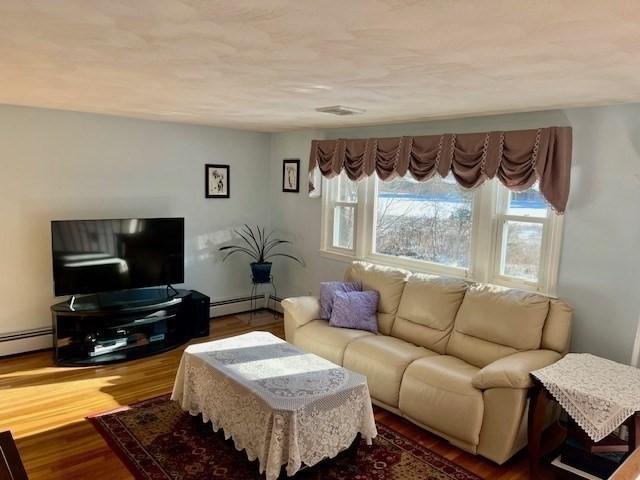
<point>63,165</point>
<point>298,218</point>
<point>58,165</point>
<point>600,260</point>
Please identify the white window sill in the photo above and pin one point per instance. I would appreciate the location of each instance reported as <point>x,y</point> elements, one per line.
<point>339,256</point>
<point>416,266</point>
<point>520,284</point>
<point>389,261</point>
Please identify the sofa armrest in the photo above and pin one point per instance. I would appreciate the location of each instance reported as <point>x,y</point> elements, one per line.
<point>302,309</point>
<point>513,370</point>
<point>299,311</point>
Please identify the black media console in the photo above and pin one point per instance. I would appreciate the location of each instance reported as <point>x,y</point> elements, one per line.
<point>99,329</point>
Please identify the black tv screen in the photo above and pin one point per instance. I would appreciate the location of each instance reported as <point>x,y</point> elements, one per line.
<point>92,256</point>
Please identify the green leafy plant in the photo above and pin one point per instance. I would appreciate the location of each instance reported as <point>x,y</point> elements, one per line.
<point>257,244</point>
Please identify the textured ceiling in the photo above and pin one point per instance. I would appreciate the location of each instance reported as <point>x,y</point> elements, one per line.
<point>267,64</point>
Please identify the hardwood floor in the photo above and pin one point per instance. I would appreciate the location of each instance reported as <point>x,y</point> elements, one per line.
<point>45,408</point>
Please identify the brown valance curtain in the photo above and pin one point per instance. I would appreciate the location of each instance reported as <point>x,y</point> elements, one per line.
<point>517,158</point>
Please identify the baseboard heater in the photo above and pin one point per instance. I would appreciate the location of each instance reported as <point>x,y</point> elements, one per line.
<point>26,341</point>
<point>232,306</point>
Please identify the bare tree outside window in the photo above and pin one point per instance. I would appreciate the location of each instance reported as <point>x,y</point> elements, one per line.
<point>344,226</point>
<point>428,221</point>
<point>522,247</point>
<point>429,226</point>
<point>344,213</point>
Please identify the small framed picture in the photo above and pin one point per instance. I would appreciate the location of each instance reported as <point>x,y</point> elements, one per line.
<point>216,181</point>
<point>291,175</point>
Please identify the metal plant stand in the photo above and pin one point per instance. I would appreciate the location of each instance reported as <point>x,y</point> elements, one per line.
<point>255,288</point>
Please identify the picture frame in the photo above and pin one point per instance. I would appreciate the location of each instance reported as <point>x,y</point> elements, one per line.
<point>216,181</point>
<point>291,175</point>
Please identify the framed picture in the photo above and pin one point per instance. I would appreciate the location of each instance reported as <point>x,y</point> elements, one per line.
<point>291,175</point>
<point>216,181</point>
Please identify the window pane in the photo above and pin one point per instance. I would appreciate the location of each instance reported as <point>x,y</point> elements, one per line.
<point>424,220</point>
<point>343,223</point>
<point>528,203</point>
<point>347,189</point>
<point>522,250</point>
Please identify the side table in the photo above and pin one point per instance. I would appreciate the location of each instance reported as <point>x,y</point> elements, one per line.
<point>540,400</point>
<point>11,466</point>
<point>599,394</point>
<point>629,469</point>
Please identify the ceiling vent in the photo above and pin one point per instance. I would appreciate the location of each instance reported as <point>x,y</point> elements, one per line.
<point>341,110</point>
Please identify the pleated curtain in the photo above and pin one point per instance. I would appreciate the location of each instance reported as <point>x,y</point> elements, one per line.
<point>516,158</point>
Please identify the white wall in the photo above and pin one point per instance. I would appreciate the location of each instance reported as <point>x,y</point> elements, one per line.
<point>64,165</point>
<point>600,261</point>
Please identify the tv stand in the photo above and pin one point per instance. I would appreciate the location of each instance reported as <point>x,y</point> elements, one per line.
<point>169,287</point>
<point>91,330</point>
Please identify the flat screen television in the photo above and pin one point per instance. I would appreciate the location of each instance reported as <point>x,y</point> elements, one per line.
<point>94,256</point>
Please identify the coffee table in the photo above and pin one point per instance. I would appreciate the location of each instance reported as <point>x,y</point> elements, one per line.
<point>281,405</point>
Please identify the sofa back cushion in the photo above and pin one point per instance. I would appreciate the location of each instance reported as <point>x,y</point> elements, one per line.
<point>494,322</point>
<point>427,310</point>
<point>388,282</point>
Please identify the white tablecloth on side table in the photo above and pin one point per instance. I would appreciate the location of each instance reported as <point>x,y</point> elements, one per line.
<point>280,404</point>
<point>598,394</point>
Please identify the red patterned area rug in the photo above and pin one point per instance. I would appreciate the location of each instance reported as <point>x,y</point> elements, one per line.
<point>158,441</point>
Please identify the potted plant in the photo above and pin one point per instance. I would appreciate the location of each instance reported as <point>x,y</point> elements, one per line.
<point>259,245</point>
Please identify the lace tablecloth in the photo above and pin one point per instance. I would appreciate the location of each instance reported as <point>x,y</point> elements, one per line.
<point>280,404</point>
<point>598,394</point>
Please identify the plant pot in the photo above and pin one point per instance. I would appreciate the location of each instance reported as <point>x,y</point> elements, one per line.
<point>261,272</point>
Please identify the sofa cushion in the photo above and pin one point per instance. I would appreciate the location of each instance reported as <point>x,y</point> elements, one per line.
<point>328,342</point>
<point>437,392</point>
<point>388,282</point>
<point>383,360</point>
<point>494,322</point>
<point>428,309</point>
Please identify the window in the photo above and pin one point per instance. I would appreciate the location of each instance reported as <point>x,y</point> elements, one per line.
<point>526,255</point>
<point>428,221</point>
<point>344,213</point>
<point>488,234</point>
<point>521,250</point>
<point>522,226</point>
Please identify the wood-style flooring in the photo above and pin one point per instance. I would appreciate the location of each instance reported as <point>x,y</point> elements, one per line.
<point>45,407</point>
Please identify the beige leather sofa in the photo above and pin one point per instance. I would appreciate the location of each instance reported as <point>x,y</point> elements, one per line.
<point>452,357</point>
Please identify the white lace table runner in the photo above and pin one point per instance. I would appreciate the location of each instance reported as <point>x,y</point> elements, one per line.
<point>280,404</point>
<point>599,394</point>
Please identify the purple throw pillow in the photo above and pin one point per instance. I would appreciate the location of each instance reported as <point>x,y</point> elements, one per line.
<point>328,291</point>
<point>355,310</point>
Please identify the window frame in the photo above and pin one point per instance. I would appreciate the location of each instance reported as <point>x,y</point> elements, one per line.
<point>489,216</point>
<point>552,227</point>
<point>329,205</point>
